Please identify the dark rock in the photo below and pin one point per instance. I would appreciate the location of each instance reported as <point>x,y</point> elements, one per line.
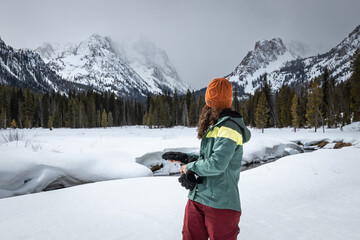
<point>156,167</point>
<point>339,145</point>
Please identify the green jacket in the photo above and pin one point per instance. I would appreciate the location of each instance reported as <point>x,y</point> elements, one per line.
<point>219,162</point>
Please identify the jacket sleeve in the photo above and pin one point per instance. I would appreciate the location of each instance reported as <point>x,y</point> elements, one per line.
<point>223,151</point>
<point>196,156</point>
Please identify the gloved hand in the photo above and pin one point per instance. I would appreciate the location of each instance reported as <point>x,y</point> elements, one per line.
<point>190,179</point>
<point>178,156</point>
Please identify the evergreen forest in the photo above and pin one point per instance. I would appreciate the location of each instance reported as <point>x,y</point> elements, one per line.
<point>323,101</point>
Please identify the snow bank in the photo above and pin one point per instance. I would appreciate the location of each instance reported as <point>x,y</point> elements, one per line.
<point>32,171</point>
<point>309,196</point>
<point>313,195</point>
<point>266,148</point>
<point>44,159</point>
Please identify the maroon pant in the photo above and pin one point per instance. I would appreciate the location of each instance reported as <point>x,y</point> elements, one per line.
<point>202,222</point>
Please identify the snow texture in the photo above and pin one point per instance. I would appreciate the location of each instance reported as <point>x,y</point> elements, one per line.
<point>313,195</point>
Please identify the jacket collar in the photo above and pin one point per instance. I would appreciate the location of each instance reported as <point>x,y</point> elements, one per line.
<point>228,113</point>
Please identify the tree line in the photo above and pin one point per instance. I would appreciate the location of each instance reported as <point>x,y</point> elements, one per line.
<point>322,101</point>
<point>22,108</point>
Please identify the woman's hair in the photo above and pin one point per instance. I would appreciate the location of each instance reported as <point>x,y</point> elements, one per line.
<point>208,117</point>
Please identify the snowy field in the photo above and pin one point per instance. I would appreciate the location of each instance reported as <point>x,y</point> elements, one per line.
<point>313,195</point>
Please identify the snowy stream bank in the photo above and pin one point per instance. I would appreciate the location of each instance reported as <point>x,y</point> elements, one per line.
<point>314,195</point>
<point>43,160</point>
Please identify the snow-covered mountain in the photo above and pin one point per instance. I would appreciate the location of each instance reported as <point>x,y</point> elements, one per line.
<point>25,68</point>
<point>103,65</point>
<point>266,57</point>
<point>283,64</point>
<point>151,63</point>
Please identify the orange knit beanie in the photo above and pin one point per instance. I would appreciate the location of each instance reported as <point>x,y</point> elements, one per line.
<point>219,94</point>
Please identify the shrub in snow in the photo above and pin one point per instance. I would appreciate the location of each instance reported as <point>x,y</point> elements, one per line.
<point>11,136</point>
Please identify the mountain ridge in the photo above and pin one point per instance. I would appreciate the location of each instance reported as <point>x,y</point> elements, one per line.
<point>274,59</point>
<point>25,68</point>
<point>100,63</point>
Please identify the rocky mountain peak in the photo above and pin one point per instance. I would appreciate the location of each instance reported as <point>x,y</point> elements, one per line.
<point>267,55</point>
<point>95,45</point>
<point>355,32</point>
<point>2,43</point>
<point>274,45</point>
<point>95,40</point>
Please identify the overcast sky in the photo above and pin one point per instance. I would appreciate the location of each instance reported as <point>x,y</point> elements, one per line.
<point>204,39</point>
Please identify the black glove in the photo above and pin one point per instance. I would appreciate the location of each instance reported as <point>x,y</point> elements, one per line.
<point>190,179</point>
<point>179,156</point>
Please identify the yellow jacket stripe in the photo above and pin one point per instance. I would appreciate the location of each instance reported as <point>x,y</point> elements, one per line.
<point>226,132</point>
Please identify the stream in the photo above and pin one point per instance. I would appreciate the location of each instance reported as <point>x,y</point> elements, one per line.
<point>162,167</point>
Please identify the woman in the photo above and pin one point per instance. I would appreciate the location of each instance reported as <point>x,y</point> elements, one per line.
<point>213,209</point>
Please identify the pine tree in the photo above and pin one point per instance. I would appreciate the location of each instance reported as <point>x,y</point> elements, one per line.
<point>343,97</point>
<point>266,88</point>
<point>355,85</point>
<point>74,113</point>
<point>20,114</point>
<point>201,104</point>
<point>27,122</point>
<point>37,111</point>
<point>29,108</point>
<point>151,117</point>
<point>313,113</point>
<point>262,112</point>
<point>110,120</point>
<point>44,108</point>
<point>50,123</point>
<point>112,102</point>
<point>98,118</point>
<point>294,112</point>
<point>162,113</point>
<point>14,105</point>
<point>116,114</point>
<point>2,116</point>
<point>325,93</point>
<point>168,117</point>
<point>104,119</point>
<point>331,103</point>
<point>188,100</point>
<point>56,119</point>
<point>145,119</point>
<point>245,110</point>
<point>83,120</point>
<point>347,103</point>
<point>176,109</point>
<point>284,100</point>
<point>193,117</point>
<point>91,111</point>
<point>13,124</point>
<point>302,105</point>
<point>185,115</point>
